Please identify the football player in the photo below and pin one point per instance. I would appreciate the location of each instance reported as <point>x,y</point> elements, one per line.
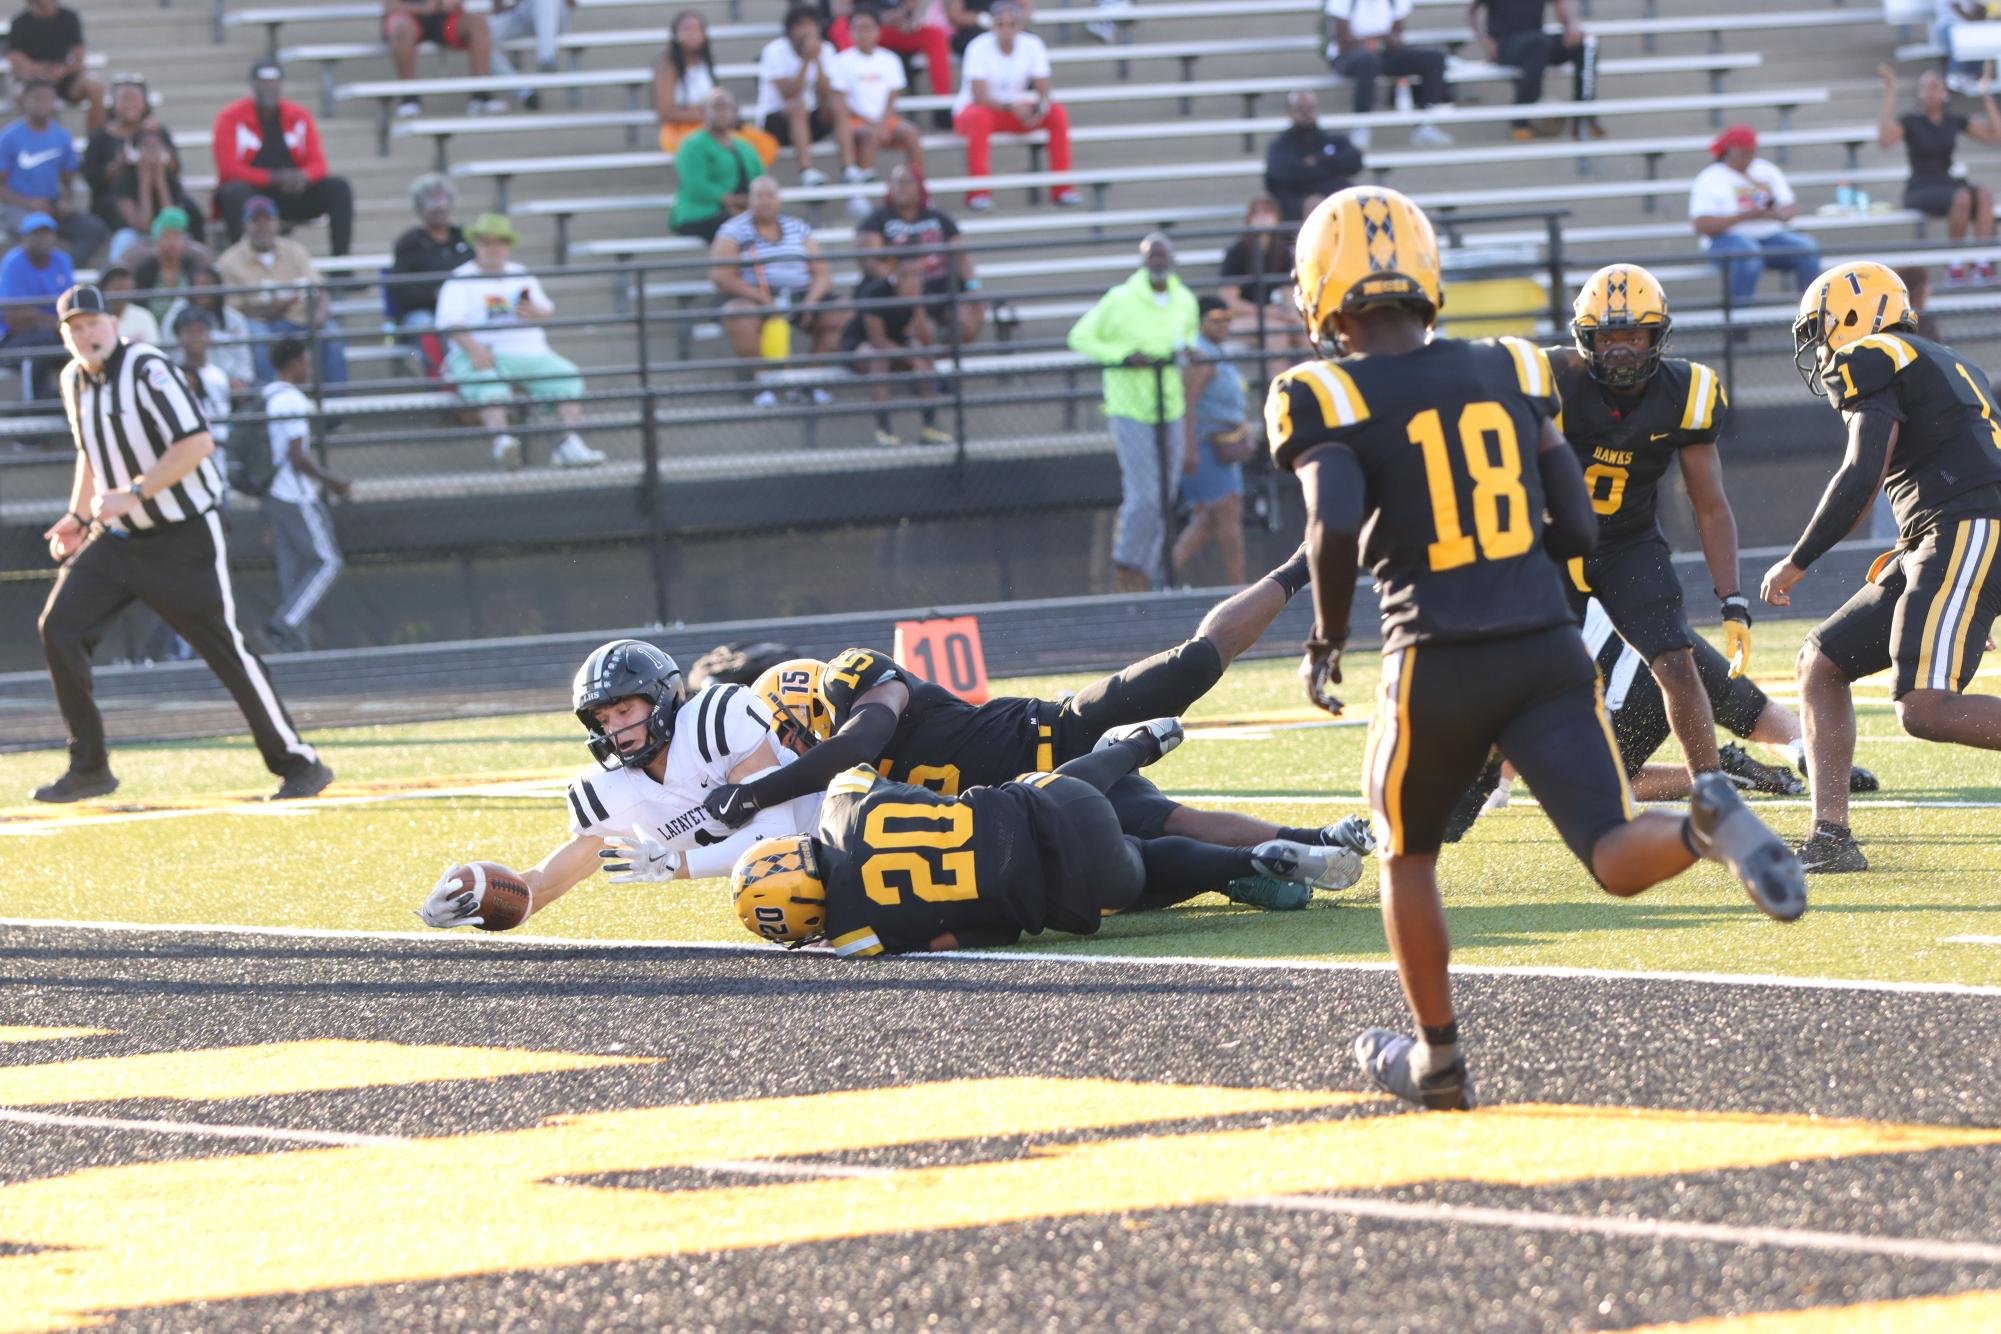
<point>865,708</point>
<point>1434,460</point>
<point>1629,412</point>
<point>1922,425</point>
<point>895,868</point>
<point>638,812</point>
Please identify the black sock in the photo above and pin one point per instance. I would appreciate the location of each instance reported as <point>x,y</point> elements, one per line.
<point>1102,768</point>
<point>1310,837</point>
<point>1830,827</point>
<point>1181,868</point>
<point>1295,574</point>
<point>1445,1035</point>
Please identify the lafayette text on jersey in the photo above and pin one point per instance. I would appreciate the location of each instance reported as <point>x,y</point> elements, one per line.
<point>1625,444</point>
<point>125,417</point>
<point>1446,437</point>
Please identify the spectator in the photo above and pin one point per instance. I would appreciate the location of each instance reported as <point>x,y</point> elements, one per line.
<point>308,557</point>
<point>1137,329</point>
<point>1305,163</point>
<point>905,32</point>
<point>435,247</point>
<point>146,188</point>
<point>764,259</point>
<point>1929,135</point>
<point>901,334</point>
<point>173,263</point>
<point>1961,76</point>
<point>34,273</point>
<point>908,218</point>
<point>683,78</point>
<point>285,295</point>
<point>1511,33</point>
<point>40,162</point>
<point>193,332</point>
<point>544,20</point>
<point>45,44</point>
<point>715,167</point>
<point>972,19</point>
<point>798,98</point>
<point>111,147</point>
<point>406,24</point>
<point>1254,281</point>
<point>1004,85</point>
<point>1368,42</point>
<point>135,322</point>
<point>491,308</point>
<point>1218,442</point>
<point>229,337</point>
<point>870,77</point>
<point>1740,205</point>
<point>264,145</point>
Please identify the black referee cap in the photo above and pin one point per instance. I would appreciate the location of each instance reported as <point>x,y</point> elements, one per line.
<point>82,299</point>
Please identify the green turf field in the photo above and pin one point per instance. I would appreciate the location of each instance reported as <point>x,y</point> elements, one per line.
<point>181,842</point>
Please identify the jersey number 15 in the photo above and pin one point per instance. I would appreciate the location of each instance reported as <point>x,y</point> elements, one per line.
<point>1500,501</point>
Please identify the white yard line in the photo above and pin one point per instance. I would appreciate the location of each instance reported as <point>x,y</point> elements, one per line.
<point>1645,1229</point>
<point>527,787</point>
<point>1973,940</point>
<point>197,1129</point>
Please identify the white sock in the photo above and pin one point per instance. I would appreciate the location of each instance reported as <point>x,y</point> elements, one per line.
<point>1427,1059</point>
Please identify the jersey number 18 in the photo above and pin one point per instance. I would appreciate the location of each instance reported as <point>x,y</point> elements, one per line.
<point>1500,502</point>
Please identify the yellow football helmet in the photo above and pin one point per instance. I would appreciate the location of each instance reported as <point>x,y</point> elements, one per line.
<point>1848,302</point>
<point>1620,296</point>
<point>792,691</point>
<point>1364,246</point>
<point>778,890</point>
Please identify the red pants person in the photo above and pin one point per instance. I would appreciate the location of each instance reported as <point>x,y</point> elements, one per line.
<point>977,124</point>
<point>934,43</point>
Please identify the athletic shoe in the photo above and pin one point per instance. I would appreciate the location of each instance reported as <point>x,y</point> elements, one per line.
<point>822,397</point>
<point>1746,772</point>
<point>813,176</point>
<point>574,453</point>
<point>1102,32</point>
<point>1158,737</point>
<point>306,783</point>
<point>857,175</point>
<point>1859,779</point>
<point>765,398</point>
<point>1385,1058</point>
<point>933,435</point>
<point>507,451</point>
<point>980,201</point>
<point>1321,868</point>
<point>1831,850</point>
<point>531,100</point>
<point>1473,802</point>
<point>78,785</point>
<point>1355,833</point>
<point>1262,891</point>
<point>1521,134</point>
<point>408,108</point>
<point>1503,792</point>
<point>888,439</point>
<point>1429,136</point>
<point>1067,196</point>
<point>1723,829</point>
<point>488,104</point>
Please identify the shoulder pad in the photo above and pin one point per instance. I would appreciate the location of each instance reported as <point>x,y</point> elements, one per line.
<point>722,720</point>
<point>595,798</point>
<point>1533,374</point>
<point>855,782</point>
<point>1308,405</point>
<point>1704,404</point>
<point>1867,366</point>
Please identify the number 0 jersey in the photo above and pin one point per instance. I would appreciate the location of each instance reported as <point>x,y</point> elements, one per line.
<point>1626,444</point>
<point>903,864</point>
<point>1947,459</point>
<point>1446,437</point>
<point>941,741</point>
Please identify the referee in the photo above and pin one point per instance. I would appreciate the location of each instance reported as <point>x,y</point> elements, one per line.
<point>147,481</point>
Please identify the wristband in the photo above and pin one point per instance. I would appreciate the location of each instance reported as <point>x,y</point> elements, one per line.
<point>138,487</point>
<point>1737,607</point>
<point>1317,646</point>
<point>81,522</point>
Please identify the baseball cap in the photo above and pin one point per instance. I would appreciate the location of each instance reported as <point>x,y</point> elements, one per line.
<point>82,299</point>
<point>260,206</point>
<point>495,225</point>
<point>170,220</point>
<point>34,222</point>
<point>267,69</point>
<point>1734,136</point>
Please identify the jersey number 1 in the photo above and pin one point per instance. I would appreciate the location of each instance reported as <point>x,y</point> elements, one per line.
<point>940,872</point>
<point>1500,501</point>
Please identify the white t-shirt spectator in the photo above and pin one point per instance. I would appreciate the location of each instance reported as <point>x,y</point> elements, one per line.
<point>1720,191</point>
<point>1369,18</point>
<point>779,61</point>
<point>1009,75</point>
<point>138,325</point>
<point>290,412</point>
<point>484,305</point>
<point>869,81</point>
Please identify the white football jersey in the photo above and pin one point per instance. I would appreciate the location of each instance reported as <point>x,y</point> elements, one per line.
<point>718,728</point>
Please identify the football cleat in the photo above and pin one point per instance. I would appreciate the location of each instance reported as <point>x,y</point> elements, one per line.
<point>1385,1058</point>
<point>1157,737</point>
<point>1354,833</point>
<point>1268,893</point>
<point>78,785</point>
<point>1747,773</point>
<point>1859,779</point>
<point>1831,850</point>
<point>1723,829</point>
<point>1318,868</point>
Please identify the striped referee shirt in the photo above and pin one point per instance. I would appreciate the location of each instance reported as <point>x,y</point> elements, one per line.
<point>125,417</point>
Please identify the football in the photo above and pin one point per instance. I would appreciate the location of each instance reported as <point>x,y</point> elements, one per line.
<point>504,898</point>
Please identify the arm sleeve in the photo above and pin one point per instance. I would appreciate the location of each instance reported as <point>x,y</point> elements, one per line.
<point>1572,527</point>
<point>705,861</point>
<point>1336,506</point>
<point>1848,495</point>
<point>852,673</point>
<point>862,741</point>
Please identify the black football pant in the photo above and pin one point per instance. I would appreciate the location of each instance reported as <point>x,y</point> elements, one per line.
<point>330,197</point>
<point>1165,685</point>
<point>1170,868</point>
<point>181,571</point>
<point>1426,64</point>
<point>1534,51</point>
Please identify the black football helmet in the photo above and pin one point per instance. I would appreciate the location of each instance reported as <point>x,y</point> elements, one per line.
<point>619,670</point>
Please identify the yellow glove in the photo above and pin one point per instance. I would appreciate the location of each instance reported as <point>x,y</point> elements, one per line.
<point>1737,633</point>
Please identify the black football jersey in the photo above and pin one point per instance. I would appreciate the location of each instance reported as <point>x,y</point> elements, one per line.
<point>1447,438</point>
<point>1625,445</point>
<point>903,863</point>
<point>1947,459</point>
<point>941,741</point>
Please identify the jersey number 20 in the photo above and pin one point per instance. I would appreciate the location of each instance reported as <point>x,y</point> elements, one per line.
<point>1500,502</point>
<point>925,851</point>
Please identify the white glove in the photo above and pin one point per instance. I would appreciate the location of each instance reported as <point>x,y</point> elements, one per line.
<point>638,861</point>
<point>453,901</point>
